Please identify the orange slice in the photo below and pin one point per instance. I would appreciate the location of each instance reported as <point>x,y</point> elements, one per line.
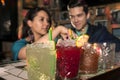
<point>81,40</point>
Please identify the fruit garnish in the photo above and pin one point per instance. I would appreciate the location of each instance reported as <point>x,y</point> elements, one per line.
<point>70,33</point>
<point>81,40</point>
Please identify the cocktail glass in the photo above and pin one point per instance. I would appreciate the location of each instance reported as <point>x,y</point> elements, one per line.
<point>89,59</point>
<point>41,61</point>
<point>68,57</point>
<point>108,55</point>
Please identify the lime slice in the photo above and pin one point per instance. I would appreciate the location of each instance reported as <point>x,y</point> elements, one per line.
<point>81,40</point>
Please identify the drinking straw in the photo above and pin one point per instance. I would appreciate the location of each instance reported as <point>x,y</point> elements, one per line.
<point>53,65</point>
<point>53,61</point>
<point>50,34</point>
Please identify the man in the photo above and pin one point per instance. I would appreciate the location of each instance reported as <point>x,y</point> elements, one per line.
<point>79,15</point>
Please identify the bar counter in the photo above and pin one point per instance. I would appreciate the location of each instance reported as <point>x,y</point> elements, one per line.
<point>111,74</point>
<point>17,71</point>
<point>13,70</point>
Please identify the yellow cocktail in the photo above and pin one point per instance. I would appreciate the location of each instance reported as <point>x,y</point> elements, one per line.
<point>41,61</point>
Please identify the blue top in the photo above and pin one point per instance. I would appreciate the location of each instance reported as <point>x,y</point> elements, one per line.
<point>82,32</point>
<point>17,46</point>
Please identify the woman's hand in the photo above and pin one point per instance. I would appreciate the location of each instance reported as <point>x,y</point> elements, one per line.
<point>63,31</point>
<point>67,33</point>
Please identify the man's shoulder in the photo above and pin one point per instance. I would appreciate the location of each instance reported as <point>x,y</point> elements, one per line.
<point>97,27</point>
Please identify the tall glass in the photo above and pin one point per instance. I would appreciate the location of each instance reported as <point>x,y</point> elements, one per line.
<point>41,61</point>
<point>68,56</point>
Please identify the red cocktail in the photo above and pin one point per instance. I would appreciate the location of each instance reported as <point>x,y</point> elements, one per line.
<point>68,61</point>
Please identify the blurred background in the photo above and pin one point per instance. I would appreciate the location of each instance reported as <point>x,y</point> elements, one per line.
<point>12,13</point>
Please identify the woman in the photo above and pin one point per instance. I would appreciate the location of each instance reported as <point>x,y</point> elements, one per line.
<point>35,28</point>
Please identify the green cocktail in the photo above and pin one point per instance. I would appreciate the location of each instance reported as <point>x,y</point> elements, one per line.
<point>41,61</point>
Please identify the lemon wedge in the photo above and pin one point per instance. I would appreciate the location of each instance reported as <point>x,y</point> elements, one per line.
<point>81,40</point>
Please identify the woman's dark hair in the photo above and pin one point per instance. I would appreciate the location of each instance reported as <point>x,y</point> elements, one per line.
<point>26,31</point>
<point>78,3</point>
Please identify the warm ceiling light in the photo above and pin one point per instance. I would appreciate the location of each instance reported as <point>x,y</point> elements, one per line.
<point>3,2</point>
